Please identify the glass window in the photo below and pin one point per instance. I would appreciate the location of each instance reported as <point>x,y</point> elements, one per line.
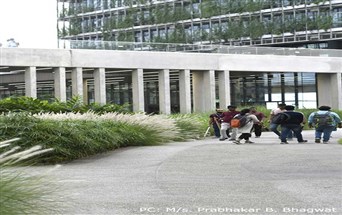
<point>297,89</point>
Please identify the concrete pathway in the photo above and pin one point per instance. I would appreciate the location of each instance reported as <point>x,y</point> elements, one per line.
<point>208,177</point>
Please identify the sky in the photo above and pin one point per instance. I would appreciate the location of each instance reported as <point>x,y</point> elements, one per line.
<point>32,23</point>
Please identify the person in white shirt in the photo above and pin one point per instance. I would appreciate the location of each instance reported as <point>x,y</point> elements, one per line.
<point>274,127</point>
<point>247,128</point>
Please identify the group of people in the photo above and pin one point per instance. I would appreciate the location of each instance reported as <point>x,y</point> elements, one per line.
<point>284,116</point>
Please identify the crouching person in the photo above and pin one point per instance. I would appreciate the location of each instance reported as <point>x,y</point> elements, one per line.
<point>247,120</point>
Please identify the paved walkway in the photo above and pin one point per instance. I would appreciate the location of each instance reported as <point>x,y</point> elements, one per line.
<point>208,177</point>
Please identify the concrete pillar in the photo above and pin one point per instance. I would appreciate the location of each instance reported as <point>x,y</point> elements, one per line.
<point>338,89</point>
<point>329,90</point>
<point>184,91</point>
<point>60,83</point>
<point>164,92</point>
<point>85,91</point>
<point>77,82</point>
<point>138,90</point>
<point>100,85</point>
<point>203,83</point>
<point>31,82</point>
<point>224,88</point>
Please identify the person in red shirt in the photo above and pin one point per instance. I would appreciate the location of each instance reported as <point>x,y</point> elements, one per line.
<point>226,117</point>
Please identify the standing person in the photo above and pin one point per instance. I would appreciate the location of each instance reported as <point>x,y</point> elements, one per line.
<point>257,127</point>
<point>246,129</point>
<point>215,120</point>
<point>273,126</point>
<point>293,122</point>
<point>324,121</point>
<point>226,117</point>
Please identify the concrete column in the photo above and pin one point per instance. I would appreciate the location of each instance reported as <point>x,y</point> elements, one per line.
<point>184,91</point>
<point>85,91</point>
<point>338,89</point>
<point>138,90</point>
<point>100,85</point>
<point>224,88</point>
<point>60,83</point>
<point>164,92</point>
<point>203,83</point>
<point>31,82</point>
<point>329,90</point>
<point>77,82</point>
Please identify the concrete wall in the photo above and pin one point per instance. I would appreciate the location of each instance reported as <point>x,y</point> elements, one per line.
<point>329,71</point>
<point>169,60</point>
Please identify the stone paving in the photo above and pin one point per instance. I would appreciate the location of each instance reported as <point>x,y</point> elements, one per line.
<point>208,177</point>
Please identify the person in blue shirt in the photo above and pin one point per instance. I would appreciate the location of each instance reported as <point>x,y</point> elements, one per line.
<point>294,123</point>
<point>325,122</point>
<point>215,121</point>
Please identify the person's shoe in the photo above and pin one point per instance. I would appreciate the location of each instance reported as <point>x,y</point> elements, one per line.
<point>222,139</point>
<point>232,139</point>
<point>237,142</point>
<point>304,141</point>
<point>284,143</point>
<point>325,142</point>
<point>317,140</point>
<point>257,136</point>
<point>248,141</point>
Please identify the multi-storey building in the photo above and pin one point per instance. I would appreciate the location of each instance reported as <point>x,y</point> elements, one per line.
<point>291,23</point>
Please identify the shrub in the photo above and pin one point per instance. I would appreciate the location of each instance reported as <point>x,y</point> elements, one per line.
<point>31,105</point>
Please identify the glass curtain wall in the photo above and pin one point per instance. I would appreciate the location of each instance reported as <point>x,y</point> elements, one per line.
<point>269,89</point>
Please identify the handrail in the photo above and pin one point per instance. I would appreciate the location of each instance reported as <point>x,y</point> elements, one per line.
<point>201,48</point>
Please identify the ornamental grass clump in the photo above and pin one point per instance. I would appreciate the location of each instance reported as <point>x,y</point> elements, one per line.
<point>192,126</point>
<point>19,192</point>
<point>161,125</point>
<point>75,135</point>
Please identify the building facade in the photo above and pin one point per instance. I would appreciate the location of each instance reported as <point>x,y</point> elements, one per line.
<point>167,82</point>
<point>286,23</point>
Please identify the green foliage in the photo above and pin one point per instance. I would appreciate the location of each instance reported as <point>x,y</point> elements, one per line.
<point>31,105</point>
<point>77,138</point>
<point>173,12</point>
<point>192,126</point>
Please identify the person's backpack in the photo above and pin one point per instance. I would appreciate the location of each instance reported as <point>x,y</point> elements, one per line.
<point>323,119</point>
<point>280,118</point>
<point>238,121</point>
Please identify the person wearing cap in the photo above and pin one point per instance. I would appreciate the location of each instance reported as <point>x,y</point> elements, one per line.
<point>294,123</point>
<point>225,124</point>
<point>215,121</point>
<point>325,122</point>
